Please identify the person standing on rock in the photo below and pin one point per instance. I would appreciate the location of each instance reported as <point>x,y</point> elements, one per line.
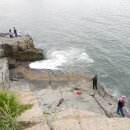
<point>94,79</point>
<point>121,103</point>
<point>15,32</point>
<point>10,33</point>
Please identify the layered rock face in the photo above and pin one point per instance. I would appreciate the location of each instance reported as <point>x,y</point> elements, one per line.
<point>4,73</point>
<point>20,48</point>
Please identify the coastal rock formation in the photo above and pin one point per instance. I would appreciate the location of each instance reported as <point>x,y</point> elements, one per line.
<point>64,85</point>
<point>20,48</point>
<point>89,111</point>
<point>4,73</point>
<point>44,89</point>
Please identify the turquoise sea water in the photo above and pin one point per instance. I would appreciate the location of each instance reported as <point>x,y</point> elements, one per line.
<point>87,35</point>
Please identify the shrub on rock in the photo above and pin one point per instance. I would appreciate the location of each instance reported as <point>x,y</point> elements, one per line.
<point>10,108</point>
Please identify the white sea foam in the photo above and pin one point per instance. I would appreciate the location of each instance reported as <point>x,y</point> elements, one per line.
<point>85,56</point>
<point>57,58</point>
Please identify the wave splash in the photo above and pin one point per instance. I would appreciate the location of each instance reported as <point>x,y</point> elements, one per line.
<point>58,58</point>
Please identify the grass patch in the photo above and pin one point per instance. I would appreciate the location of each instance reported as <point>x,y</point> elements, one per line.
<point>10,108</point>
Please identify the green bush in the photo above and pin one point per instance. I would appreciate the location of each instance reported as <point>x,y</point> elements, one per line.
<point>10,108</point>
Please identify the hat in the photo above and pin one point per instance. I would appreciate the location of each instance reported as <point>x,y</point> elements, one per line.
<point>123,98</point>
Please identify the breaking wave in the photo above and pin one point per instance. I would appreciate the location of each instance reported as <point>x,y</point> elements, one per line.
<point>58,58</point>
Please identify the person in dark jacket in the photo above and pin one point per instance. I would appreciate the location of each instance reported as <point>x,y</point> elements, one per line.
<point>95,82</point>
<point>15,32</point>
<point>121,103</point>
<point>10,33</point>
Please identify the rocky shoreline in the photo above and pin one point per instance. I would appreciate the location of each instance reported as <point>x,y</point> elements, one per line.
<point>20,49</point>
<point>54,92</point>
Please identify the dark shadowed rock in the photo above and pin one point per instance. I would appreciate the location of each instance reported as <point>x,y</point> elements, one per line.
<point>12,63</point>
<point>1,52</point>
<point>28,55</point>
<point>8,50</point>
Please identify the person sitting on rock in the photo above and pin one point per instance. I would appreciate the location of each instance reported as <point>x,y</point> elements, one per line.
<point>121,103</point>
<point>94,79</point>
<point>15,32</point>
<point>10,33</point>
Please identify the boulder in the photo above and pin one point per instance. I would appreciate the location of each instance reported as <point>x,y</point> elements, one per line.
<point>20,48</point>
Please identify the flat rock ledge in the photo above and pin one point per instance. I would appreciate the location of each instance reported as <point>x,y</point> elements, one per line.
<point>20,48</point>
<point>89,111</point>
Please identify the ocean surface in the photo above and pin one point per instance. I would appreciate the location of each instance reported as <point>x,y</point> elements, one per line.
<point>88,35</point>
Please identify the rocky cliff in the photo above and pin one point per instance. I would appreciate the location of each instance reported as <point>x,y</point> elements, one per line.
<point>19,48</point>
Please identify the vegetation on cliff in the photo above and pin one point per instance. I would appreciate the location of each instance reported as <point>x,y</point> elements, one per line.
<point>10,108</point>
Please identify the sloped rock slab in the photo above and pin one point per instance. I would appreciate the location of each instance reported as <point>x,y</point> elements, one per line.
<point>35,114</point>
